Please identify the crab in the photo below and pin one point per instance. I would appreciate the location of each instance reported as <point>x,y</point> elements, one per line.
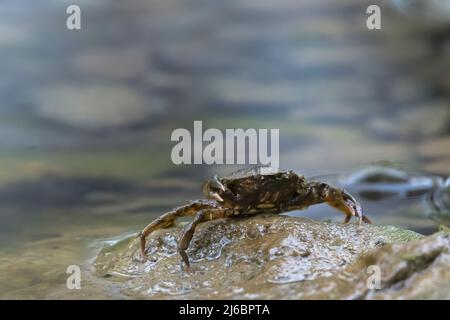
<point>252,191</point>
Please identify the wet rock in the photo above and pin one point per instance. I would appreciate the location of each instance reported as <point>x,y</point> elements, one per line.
<point>264,256</point>
<point>416,270</point>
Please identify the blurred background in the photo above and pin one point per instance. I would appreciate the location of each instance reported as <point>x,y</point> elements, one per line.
<point>86,116</point>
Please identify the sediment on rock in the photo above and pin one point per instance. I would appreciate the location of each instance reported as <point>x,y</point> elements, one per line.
<point>266,257</point>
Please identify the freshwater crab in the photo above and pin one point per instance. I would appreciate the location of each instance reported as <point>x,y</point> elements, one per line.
<point>252,191</point>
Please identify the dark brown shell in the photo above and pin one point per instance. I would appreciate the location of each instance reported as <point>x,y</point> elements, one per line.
<point>258,184</point>
<point>254,171</point>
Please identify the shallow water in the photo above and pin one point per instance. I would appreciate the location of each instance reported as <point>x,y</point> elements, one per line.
<point>86,117</point>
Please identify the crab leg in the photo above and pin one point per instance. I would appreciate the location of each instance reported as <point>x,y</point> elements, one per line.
<point>188,232</point>
<point>340,199</point>
<point>344,202</point>
<point>168,219</point>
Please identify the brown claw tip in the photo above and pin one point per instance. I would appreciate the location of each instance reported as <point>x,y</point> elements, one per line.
<point>189,270</point>
<point>366,219</point>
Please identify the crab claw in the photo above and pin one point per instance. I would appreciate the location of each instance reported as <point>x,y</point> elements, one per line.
<point>212,188</point>
<point>216,184</point>
<point>215,196</point>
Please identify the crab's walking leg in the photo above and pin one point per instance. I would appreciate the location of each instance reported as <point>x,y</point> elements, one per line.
<point>188,232</point>
<point>344,202</point>
<point>340,199</point>
<point>168,219</point>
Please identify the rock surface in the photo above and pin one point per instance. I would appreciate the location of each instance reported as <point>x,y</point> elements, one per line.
<point>280,257</point>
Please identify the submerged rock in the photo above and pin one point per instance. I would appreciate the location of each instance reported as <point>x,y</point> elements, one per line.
<point>439,204</point>
<point>260,257</point>
<point>382,182</point>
